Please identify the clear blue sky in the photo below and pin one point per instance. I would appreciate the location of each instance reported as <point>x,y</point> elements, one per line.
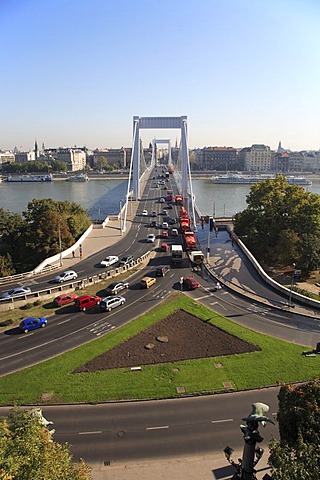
<point>75,72</point>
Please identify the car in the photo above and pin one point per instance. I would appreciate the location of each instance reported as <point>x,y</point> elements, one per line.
<point>169,206</point>
<point>65,298</point>
<point>151,238</point>
<point>144,213</point>
<point>154,214</point>
<point>172,221</point>
<point>32,323</point>
<point>66,276</point>
<point>147,282</point>
<point>153,224</point>
<point>190,283</point>
<point>16,292</point>
<point>116,287</point>
<point>87,301</point>
<point>164,212</point>
<point>126,260</point>
<point>174,232</point>
<point>162,200</point>
<point>165,234</point>
<point>165,225</point>
<point>164,247</point>
<point>217,287</point>
<point>162,270</point>
<point>108,261</point>
<point>108,303</point>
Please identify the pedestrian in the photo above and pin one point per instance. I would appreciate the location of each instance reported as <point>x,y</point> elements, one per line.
<point>73,254</point>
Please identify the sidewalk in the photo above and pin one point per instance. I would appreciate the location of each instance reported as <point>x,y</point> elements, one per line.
<point>208,467</point>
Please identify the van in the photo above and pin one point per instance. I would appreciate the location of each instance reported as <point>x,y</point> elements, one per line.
<point>147,282</point>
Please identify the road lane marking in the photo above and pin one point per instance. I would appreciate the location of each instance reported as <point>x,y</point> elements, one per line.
<point>64,321</point>
<point>90,433</point>
<point>222,421</point>
<point>162,427</point>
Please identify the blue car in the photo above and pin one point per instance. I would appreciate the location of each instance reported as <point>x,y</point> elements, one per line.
<point>32,323</point>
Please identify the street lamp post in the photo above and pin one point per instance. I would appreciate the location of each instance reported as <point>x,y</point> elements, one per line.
<point>60,245</point>
<point>292,279</point>
<point>120,218</point>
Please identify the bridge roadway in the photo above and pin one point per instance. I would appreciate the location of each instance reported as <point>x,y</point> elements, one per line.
<point>300,327</point>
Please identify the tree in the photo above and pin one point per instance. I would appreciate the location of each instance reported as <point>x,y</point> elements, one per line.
<point>278,216</point>
<point>6,266</point>
<point>297,454</point>
<point>28,452</point>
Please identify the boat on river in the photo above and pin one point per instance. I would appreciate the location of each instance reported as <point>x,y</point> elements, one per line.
<point>29,178</point>
<point>82,177</point>
<point>246,179</point>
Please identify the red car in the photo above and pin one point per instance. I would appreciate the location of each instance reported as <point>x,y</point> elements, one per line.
<point>164,247</point>
<point>165,234</point>
<point>190,283</point>
<point>65,298</point>
<point>87,301</point>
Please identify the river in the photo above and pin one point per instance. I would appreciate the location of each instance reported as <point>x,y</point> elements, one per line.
<point>101,198</point>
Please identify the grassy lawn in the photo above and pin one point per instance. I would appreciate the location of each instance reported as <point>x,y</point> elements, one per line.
<point>277,361</point>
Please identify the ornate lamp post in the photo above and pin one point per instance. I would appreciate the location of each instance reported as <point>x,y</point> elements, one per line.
<point>251,454</point>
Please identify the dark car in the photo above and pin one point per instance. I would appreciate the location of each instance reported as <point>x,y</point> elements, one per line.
<point>126,260</point>
<point>153,224</point>
<point>32,323</point>
<point>172,221</point>
<point>116,287</point>
<point>87,301</point>
<point>190,283</point>
<point>162,270</point>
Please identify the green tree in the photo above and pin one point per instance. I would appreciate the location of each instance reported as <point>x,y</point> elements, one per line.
<point>12,229</point>
<point>58,166</point>
<point>297,454</point>
<point>28,452</point>
<point>6,267</point>
<point>278,217</point>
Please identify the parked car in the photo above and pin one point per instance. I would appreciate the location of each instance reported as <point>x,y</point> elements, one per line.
<point>162,270</point>
<point>164,247</point>
<point>65,298</point>
<point>174,232</point>
<point>147,282</point>
<point>32,323</point>
<point>108,303</point>
<point>126,260</point>
<point>116,287</point>
<point>151,238</point>
<point>190,283</point>
<point>87,301</point>
<point>66,276</point>
<point>108,261</point>
<point>16,292</point>
<point>144,213</point>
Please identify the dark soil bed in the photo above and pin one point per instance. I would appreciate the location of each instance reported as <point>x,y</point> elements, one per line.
<point>180,336</point>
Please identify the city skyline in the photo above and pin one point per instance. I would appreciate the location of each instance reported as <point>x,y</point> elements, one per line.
<point>243,72</point>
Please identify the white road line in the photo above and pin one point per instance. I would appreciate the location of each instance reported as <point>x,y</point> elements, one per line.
<point>158,428</point>
<point>222,421</point>
<point>90,433</point>
<point>64,321</point>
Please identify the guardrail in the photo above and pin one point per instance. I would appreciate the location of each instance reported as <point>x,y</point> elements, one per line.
<point>17,302</point>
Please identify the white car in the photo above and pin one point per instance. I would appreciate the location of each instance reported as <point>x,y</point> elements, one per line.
<point>16,292</point>
<point>162,200</point>
<point>165,225</point>
<point>174,232</point>
<point>145,213</point>
<point>111,260</point>
<point>66,276</point>
<point>151,238</point>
